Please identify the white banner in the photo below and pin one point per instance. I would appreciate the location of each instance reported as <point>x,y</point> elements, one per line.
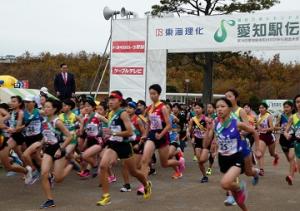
<point>156,71</point>
<point>138,56</point>
<point>241,32</point>
<point>128,58</point>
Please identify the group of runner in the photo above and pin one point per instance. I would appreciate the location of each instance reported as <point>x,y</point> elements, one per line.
<point>90,138</point>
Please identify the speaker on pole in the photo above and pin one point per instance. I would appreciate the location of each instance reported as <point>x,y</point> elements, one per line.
<point>127,13</point>
<point>108,13</point>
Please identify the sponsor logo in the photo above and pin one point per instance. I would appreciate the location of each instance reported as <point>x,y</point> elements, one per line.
<point>221,33</point>
<point>127,70</point>
<point>128,46</point>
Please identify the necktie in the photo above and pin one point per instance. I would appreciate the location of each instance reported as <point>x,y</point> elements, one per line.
<point>65,78</point>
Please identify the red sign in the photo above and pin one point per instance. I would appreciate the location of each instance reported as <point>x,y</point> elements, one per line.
<point>128,46</point>
<point>128,70</point>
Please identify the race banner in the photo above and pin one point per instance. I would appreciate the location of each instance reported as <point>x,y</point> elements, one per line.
<point>240,32</point>
<point>128,58</point>
<point>139,46</point>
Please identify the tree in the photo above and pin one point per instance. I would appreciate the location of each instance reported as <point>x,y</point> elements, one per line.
<point>207,8</point>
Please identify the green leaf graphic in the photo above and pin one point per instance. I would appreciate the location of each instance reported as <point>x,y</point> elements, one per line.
<point>221,33</point>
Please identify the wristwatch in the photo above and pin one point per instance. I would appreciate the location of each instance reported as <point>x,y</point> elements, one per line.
<point>114,133</point>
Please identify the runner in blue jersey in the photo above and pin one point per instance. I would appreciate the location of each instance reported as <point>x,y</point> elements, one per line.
<point>231,159</point>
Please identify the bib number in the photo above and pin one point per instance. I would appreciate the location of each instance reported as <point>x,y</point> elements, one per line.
<point>116,129</point>
<point>156,123</point>
<point>34,128</point>
<point>227,146</point>
<point>50,137</point>
<point>92,130</point>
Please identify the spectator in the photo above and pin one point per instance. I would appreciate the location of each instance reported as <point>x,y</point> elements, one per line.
<point>64,83</point>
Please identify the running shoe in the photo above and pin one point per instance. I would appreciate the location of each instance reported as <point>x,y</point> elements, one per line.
<point>28,176</point>
<point>195,158</point>
<point>35,177</point>
<point>229,201</point>
<point>209,172</point>
<point>177,175</point>
<point>241,195</point>
<point>204,179</point>
<point>11,174</point>
<point>94,172</point>
<point>140,190</point>
<point>47,204</point>
<point>76,166</point>
<point>16,159</point>
<point>276,160</point>
<point>105,200</point>
<point>79,173</point>
<point>148,190</point>
<point>152,171</point>
<point>181,165</point>
<point>289,180</point>
<point>85,174</point>
<point>112,179</point>
<point>125,188</point>
<point>261,172</point>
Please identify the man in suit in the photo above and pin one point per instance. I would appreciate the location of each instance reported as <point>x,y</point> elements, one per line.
<point>64,83</point>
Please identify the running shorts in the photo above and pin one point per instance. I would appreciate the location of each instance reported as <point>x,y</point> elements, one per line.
<point>285,144</point>
<point>226,162</point>
<point>267,138</point>
<point>124,150</point>
<point>164,141</point>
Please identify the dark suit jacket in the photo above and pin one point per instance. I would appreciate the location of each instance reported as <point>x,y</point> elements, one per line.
<point>67,89</point>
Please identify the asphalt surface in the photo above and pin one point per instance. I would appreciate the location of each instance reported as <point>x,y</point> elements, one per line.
<point>272,192</point>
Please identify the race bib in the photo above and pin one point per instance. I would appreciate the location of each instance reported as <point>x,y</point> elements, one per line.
<point>92,130</point>
<point>198,133</point>
<point>50,137</point>
<point>156,123</point>
<point>227,146</point>
<point>116,129</point>
<point>34,128</point>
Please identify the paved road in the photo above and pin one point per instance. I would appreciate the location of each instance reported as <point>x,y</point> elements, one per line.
<point>272,193</point>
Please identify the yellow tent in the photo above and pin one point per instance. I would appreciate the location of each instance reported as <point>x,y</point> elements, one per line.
<point>7,81</point>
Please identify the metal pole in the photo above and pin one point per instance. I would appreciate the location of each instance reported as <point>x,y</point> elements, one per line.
<point>99,67</point>
<point>147,53</point>
<point>103,73</point>
<point>111,21</point>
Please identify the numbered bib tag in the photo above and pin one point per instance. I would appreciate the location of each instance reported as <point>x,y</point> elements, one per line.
<point>227,146</point>
<point>116,129</point>
<point>34,128</point>
<point>156,123</point>
<point>92,130</point>
<point>283,126</point>
<point>50,137</point>
<point>198,133</point>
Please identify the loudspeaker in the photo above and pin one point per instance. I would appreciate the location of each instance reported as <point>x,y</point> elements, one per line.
<point>108,13</point>
<point>125,12</point>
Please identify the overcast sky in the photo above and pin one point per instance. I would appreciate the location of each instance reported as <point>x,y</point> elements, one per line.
<point>73,25</point>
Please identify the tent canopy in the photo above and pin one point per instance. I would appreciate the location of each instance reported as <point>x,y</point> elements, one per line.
<point>7,93</point>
